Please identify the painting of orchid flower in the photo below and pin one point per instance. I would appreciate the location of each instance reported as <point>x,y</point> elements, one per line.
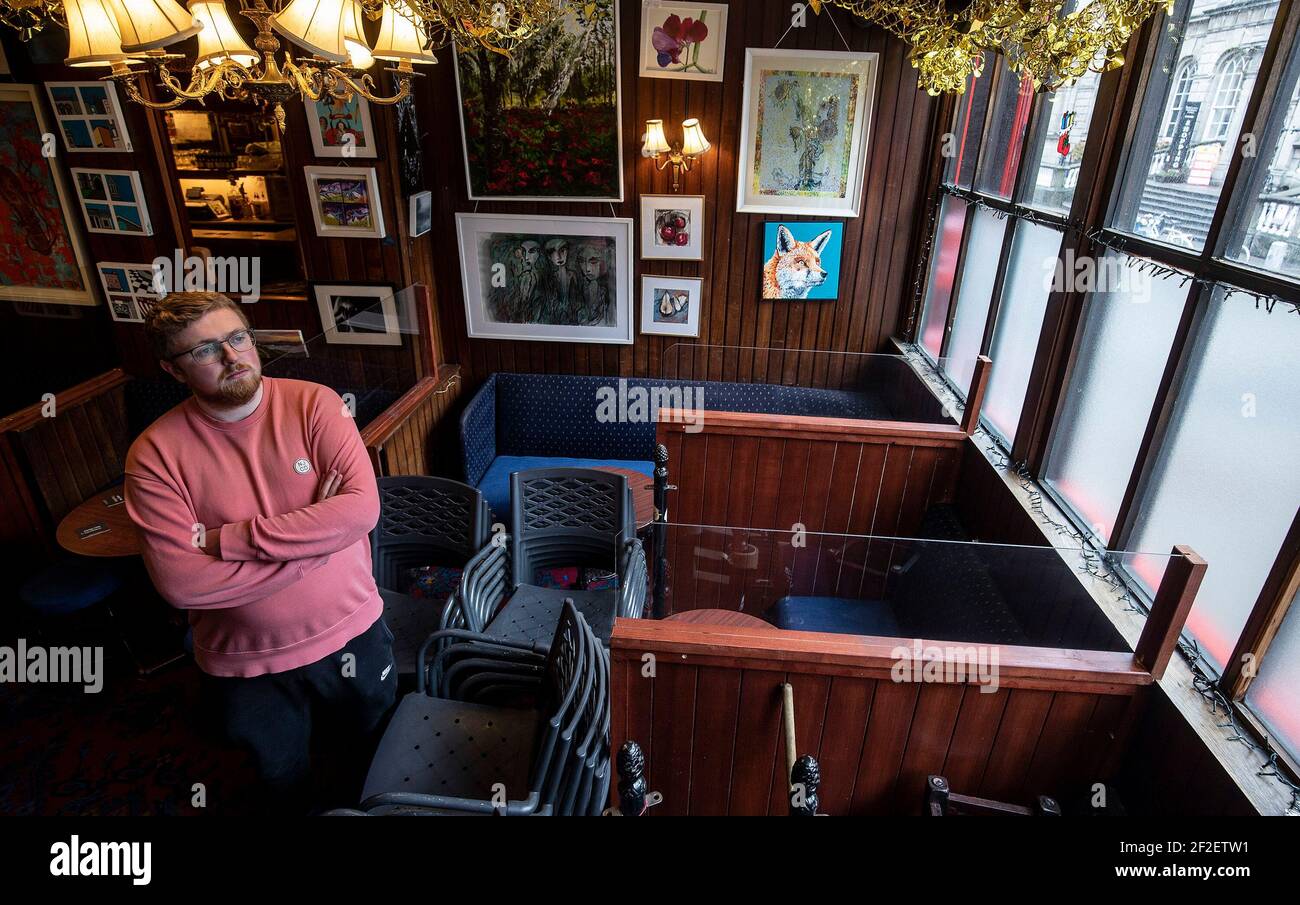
<point>683,40</point>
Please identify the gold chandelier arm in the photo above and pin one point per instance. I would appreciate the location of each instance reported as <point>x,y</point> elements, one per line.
<point>365,87</point>
<point>203,81</point>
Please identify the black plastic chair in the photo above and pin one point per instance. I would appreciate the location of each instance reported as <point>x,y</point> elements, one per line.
<point>423,521</point>
<point>560,517</point>
<point>442,756</point>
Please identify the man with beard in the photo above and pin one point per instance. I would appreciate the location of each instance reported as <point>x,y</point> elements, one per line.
<point>254,499</point>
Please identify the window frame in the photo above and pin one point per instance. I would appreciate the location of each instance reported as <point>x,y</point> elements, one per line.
<point>1106,162</point>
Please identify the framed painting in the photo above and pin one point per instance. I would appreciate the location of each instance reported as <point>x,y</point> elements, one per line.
<point>683,40</point>
<point>672,227</point>
<point>802,260</point>
<point>46,260</point>
<point>89,116</point>
<point>340,128</point>
<point>345,201</point>
<point>358,314</point>
<point>670,306</point>
<point>562,279</point>
<point>112,201</point>
<point>129,290</point>
<point>804,131</point>
<point>543,123</point>
<point>421,213</point>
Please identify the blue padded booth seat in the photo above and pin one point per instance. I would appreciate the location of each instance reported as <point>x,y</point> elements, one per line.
<point>68,587</point>
<point>841,615</point>
<point>495,484</point>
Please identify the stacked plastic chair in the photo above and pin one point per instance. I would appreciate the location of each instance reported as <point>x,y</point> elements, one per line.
<point>423,521</point>
<point>441,755</point>
<point>559,517</point>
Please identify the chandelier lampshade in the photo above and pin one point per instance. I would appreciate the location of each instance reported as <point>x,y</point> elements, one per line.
<point>316,25</point>
<point>693,141</point>
<point>152,24</point>
<point>218,39</point>
<point>399,39</point>
<point>354,36</point>
<point>94,38</point>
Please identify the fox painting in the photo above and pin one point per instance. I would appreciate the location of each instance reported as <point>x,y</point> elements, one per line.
<point>795,268</point>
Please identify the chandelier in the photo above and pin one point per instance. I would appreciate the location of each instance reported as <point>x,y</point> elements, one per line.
<point>1049,42</point>
<point>131,38</point>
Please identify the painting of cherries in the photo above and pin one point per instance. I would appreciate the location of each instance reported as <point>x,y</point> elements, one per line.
<point>674,228</point>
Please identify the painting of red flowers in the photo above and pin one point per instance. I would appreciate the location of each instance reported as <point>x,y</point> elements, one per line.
<point>543,123</point>
<point>683,40</point>
<point>46,260</point>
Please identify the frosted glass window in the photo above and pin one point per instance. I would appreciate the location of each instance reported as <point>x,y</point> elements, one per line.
<point>1274,695</point>
<point>1128,328</point>
<point>979,270</point>
<point>1000,153</point>
<point>964,148</point>
<point>1225,480</point>
<point>1034,253</point>
<point>943,270</point>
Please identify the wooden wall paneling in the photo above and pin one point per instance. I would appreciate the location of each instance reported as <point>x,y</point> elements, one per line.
<point>886,742</point>
<point>811,695</point>
<point>973,737</point>
<point>759,752</point>
<point>1018,733</point>
<point>673,732</point>
<point>848,713</point>
<point>928,741</point>
<point>717,700</point>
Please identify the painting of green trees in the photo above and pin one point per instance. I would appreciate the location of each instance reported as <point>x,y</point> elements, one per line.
<point>543,122</point>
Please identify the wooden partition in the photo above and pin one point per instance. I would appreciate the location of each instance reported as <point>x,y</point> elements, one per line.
<point>836,475</point>
<point>709,719</point>
<point>879,714</point>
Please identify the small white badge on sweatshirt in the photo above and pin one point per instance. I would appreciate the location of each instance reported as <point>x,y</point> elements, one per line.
<point>302,466</point>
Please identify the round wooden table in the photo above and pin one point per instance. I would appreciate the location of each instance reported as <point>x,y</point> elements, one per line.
<point>643,494</point>
<point>120,538</point>
<point>718,617</point>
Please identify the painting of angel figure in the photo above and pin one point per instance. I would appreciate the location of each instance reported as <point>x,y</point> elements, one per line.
<point>546,278</point>
<point>805,127</point>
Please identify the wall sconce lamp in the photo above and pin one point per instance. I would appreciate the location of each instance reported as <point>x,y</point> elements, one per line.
<point>656,143</point>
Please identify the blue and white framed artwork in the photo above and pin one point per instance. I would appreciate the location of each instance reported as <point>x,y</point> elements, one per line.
<point>802,260</point>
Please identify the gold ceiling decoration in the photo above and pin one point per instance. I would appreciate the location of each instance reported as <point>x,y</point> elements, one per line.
<point>1050,42</point>
<point>27,17</point>
<point>499,26</point>
<point>328,51</point>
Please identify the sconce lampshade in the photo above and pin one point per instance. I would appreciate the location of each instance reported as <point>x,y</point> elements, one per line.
<point>93,36</point>
<point>152,24</point>
<point>693,141</point>
<point>354,36</point>
<point>316,25</point>
<point>655,140</point>
<point>399,39</point>
<point>218,39</point>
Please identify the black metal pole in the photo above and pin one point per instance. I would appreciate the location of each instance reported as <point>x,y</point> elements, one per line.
<point>660,529</point>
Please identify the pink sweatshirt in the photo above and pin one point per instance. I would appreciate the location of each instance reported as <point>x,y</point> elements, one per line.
<point>294,581</point>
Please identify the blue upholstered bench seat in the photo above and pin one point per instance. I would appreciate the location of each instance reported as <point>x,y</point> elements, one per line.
<point>841,615</point>
<point>495,485</point>
<point>518,421</point>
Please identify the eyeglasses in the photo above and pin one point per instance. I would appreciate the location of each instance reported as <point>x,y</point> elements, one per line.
<point>208,352</point>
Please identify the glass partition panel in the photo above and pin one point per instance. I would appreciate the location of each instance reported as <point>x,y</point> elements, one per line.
<point>941,590</point>
<point>801,382</point>
<point>366,354</point>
